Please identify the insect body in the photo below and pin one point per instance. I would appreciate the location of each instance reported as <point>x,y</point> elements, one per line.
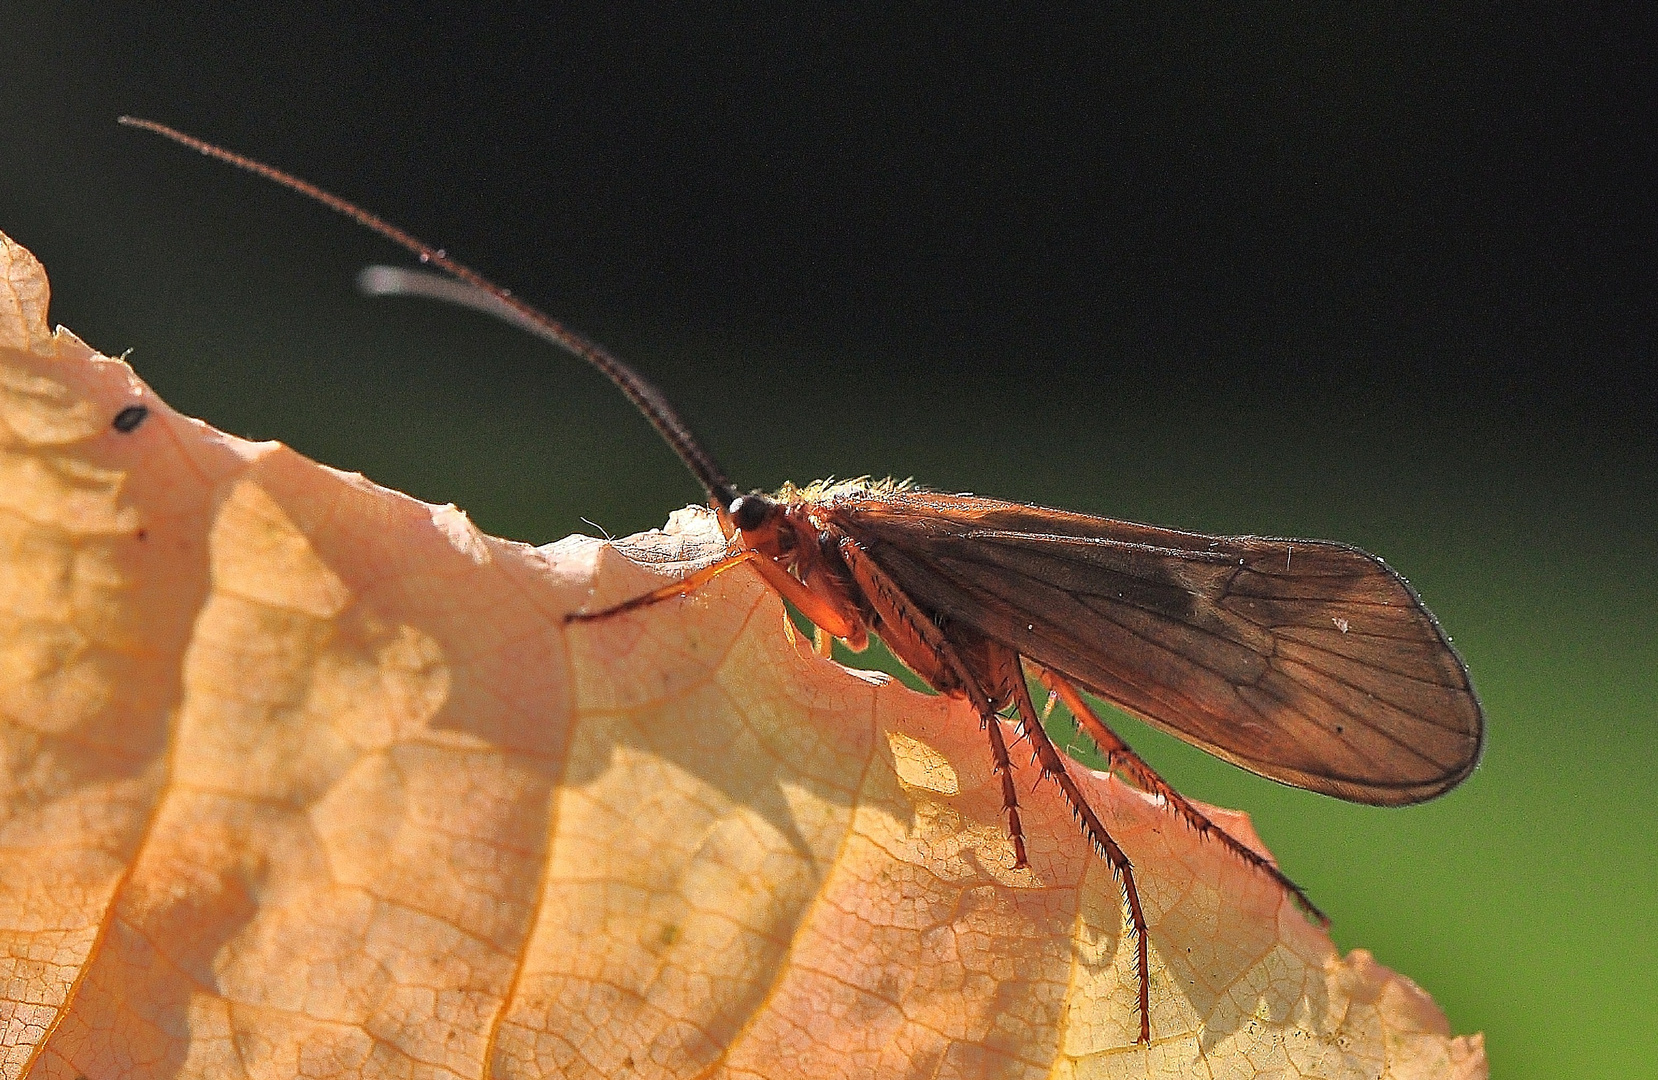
<point>1309,662</point>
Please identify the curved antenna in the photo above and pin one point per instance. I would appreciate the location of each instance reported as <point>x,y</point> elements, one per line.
<point>381,280</point>
<point>639,390</point>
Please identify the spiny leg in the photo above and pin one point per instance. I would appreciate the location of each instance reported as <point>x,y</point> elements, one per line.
<point>1053,767</point>
<point>918,641</point>
<point>1119,755</point>
<point>1001,763</point>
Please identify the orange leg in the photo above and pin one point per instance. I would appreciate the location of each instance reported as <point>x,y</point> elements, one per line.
<point>1119,757</point>
<point>1053,767</point>
<point>919,643</point>
<point>683,587</point>
<point>820,610</point>
<point>1001,763</point>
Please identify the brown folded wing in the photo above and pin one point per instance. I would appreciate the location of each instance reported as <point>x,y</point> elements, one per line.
<point>1308,662</point>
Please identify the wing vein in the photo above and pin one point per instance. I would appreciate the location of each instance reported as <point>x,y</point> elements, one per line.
<point>1376,664</point>
<point>1378,729</point>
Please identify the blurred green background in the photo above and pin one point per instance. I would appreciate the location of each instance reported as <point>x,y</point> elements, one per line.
<point>1385,277</point>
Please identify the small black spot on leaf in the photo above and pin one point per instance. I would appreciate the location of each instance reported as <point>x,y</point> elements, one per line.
<point>130,417</point>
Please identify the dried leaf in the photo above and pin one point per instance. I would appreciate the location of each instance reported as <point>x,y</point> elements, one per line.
<point>304,777</point>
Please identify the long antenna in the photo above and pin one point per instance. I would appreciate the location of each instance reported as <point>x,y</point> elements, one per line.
<point>639,390</point>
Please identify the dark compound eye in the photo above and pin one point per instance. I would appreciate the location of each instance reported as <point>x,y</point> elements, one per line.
<point>750,511</point>
<point>130,417</point>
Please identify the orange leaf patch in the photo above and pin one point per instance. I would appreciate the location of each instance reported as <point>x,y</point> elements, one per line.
<point>302,777</point>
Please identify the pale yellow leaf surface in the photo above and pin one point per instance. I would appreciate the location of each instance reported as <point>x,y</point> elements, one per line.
<point>300,777</point>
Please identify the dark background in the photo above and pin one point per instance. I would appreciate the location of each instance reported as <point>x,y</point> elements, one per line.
<point>1385,276</point>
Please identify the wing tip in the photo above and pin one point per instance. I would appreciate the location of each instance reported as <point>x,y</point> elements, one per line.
<point>1370,793</point>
